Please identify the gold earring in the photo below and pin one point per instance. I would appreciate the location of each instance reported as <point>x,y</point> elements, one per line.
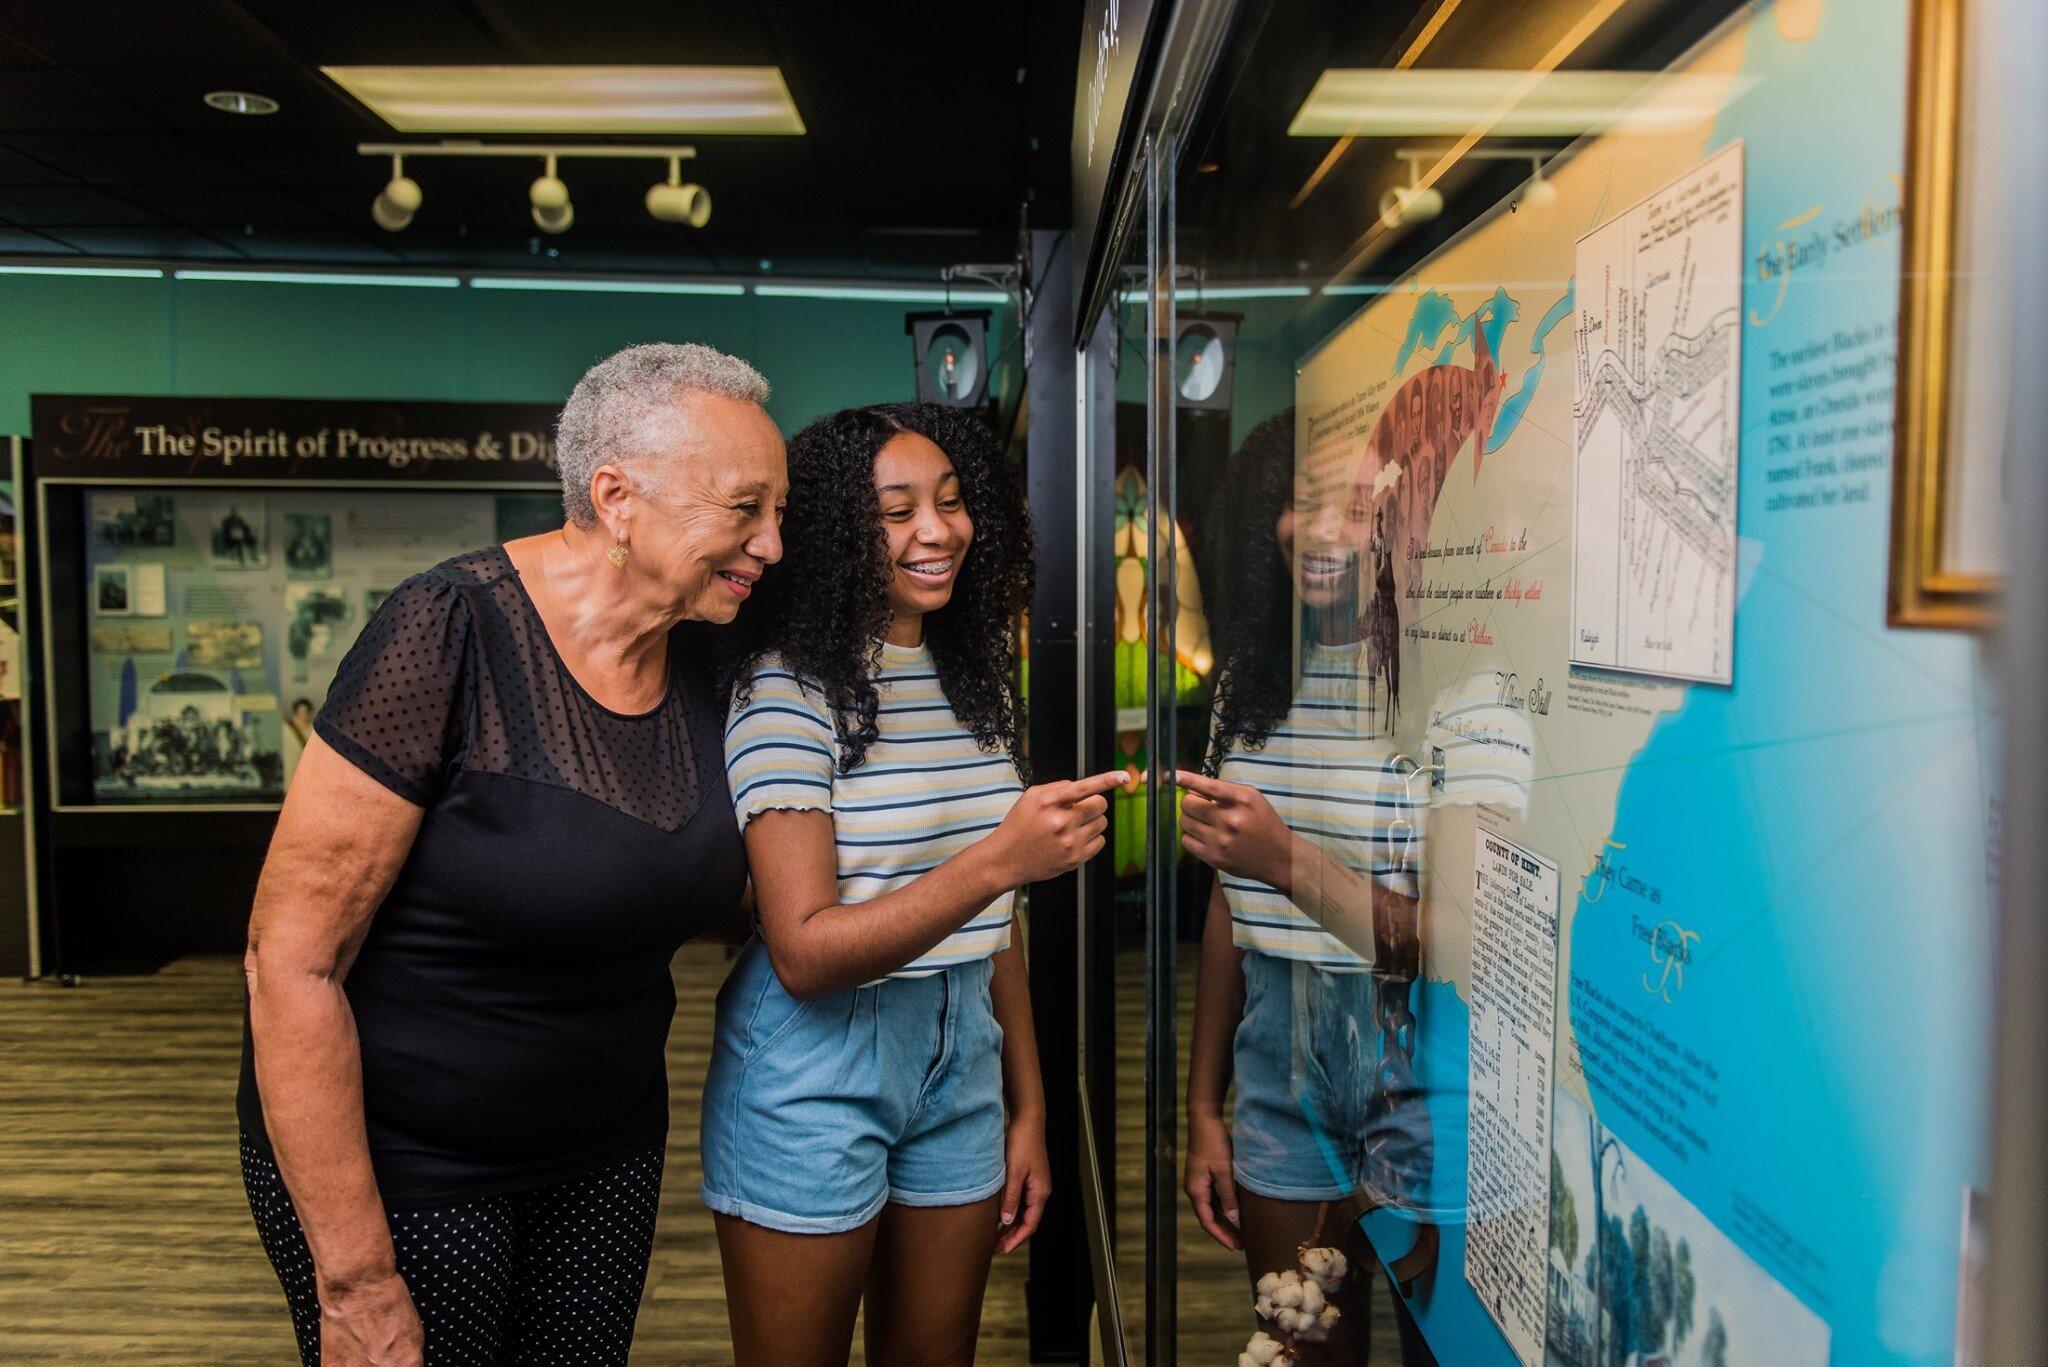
<point>617,554</point>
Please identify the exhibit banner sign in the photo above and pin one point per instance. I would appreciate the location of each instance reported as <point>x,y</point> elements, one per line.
<point>104,437</point>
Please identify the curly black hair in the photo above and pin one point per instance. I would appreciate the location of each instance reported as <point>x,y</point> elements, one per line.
<point>1254,616</point>
<point>824,608</point>
<point>1252,610</point>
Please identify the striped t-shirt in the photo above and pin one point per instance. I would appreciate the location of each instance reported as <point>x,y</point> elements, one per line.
<point>1336,778</point>
<point>923,793</point>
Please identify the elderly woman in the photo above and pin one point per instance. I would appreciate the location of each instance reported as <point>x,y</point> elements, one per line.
<point>511,813</point>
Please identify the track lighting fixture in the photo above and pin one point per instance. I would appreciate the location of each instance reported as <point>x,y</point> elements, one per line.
<point>552,211</point>
<point>1538,193</point>
<point>398,201</point>
<point>671,201</point>
<point>674,202</point>
<point>1418,203</point>
<point>1413,202</point>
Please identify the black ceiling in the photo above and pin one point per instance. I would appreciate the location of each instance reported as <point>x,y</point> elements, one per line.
<point>1245,213</point>
<point>919,150</point>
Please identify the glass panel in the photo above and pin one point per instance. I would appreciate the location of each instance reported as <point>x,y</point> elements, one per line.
<point>1115,989</point>
<point>1525,547</point>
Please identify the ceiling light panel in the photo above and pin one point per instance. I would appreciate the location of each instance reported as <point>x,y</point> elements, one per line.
<point>574,99</point>
<point>1374,102</point>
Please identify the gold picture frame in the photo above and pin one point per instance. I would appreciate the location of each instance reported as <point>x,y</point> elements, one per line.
<point>1928,588</point>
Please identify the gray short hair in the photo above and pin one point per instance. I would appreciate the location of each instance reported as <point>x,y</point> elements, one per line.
<point>615,414</point>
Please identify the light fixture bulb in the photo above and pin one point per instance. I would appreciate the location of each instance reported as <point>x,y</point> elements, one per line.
<point>686,204</point>
<point>552,211</point>
<point>1410,204</point>
<point>398,201</point>
<point>548,193</point>
<point>1539,193</point>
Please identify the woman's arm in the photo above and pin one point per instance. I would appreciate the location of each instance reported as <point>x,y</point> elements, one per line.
<point>339,844</point>
<point>1219,1006</point>
<point>1028,1165</point>
<point>820,945</point>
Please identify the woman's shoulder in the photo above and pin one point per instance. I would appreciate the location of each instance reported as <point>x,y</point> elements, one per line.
<point>438,591</point>
<point>445,584</point>
<point>477,569</point>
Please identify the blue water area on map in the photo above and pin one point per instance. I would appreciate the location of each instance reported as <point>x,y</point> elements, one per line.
<point>1819,825</point>
<point>1516,404</point>
<point>1435,312</point>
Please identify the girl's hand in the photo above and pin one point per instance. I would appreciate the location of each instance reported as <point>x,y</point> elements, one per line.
<point>1210,1185</point>
<point>1053,828</point>
<point>1030,1180</point>
<point>1233,829</point>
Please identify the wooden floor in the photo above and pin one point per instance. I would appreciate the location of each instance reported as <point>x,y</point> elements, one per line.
<point>1213,1300</point>
<point>124,1235</point>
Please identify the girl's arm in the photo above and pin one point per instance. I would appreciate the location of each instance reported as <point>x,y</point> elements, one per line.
<point>820,945</point>
<point>1233,828</point>
<point>1029,1166</point>
<point>1219,1006</point>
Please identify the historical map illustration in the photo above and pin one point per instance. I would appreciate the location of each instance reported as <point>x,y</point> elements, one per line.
<point>1655,429</point>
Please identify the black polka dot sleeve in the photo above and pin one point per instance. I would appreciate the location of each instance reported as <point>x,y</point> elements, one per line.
<point>395,710</point>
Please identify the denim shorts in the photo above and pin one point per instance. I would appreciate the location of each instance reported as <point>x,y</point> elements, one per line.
<point>817,1113</point>
<point>1320,1112</point>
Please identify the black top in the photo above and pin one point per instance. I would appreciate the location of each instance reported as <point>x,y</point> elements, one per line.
<point>512,998</point>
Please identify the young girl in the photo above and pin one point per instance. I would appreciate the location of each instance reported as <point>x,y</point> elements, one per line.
<point>1312,818</point>
<point>873,1118</point>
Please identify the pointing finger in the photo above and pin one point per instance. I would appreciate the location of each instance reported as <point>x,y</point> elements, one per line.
<point>1215,789</point>
<point>1082,788</point>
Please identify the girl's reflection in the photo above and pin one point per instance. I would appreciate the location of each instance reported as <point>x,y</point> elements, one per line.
<point>1312,818</point>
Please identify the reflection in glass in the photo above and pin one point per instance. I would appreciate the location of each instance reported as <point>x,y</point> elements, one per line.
<point>1311,820</point>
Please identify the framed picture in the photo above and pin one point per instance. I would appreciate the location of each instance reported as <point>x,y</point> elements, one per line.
<point>237,538</point>
<point>308,545</point>
<point>1955,329</point>
<point>111,595</point>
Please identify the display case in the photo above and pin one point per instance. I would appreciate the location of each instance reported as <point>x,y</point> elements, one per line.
<point>212,619</point>
<point>1542,577</point>
<point>203,566</point>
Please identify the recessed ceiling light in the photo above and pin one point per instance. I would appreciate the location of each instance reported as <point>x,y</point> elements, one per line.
<point>574,99</point>
<point>1375,102</point>
<point>240,102</point>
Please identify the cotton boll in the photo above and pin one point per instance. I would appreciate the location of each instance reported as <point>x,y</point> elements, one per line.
<point>1247,1360</point>
<point>1312,1301</point>
<point>1289,1292</point>
<point>1269,1283</point>
<point>1264,1305</point>
<point>1326,1266</point>
<point>1328,1319</point>
<point>1264,1349</point>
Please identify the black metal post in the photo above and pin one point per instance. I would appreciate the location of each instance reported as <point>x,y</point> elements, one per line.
<point>1058,1288</point>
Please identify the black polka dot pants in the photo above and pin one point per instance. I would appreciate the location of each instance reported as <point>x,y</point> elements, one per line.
<point>537,1278</point>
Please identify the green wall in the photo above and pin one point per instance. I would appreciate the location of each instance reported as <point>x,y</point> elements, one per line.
<point>109,335</point>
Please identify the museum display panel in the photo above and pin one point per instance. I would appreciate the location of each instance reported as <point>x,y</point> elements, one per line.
<point>202,566</point>
<point>1518,535</point>
<point>216,617</point>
